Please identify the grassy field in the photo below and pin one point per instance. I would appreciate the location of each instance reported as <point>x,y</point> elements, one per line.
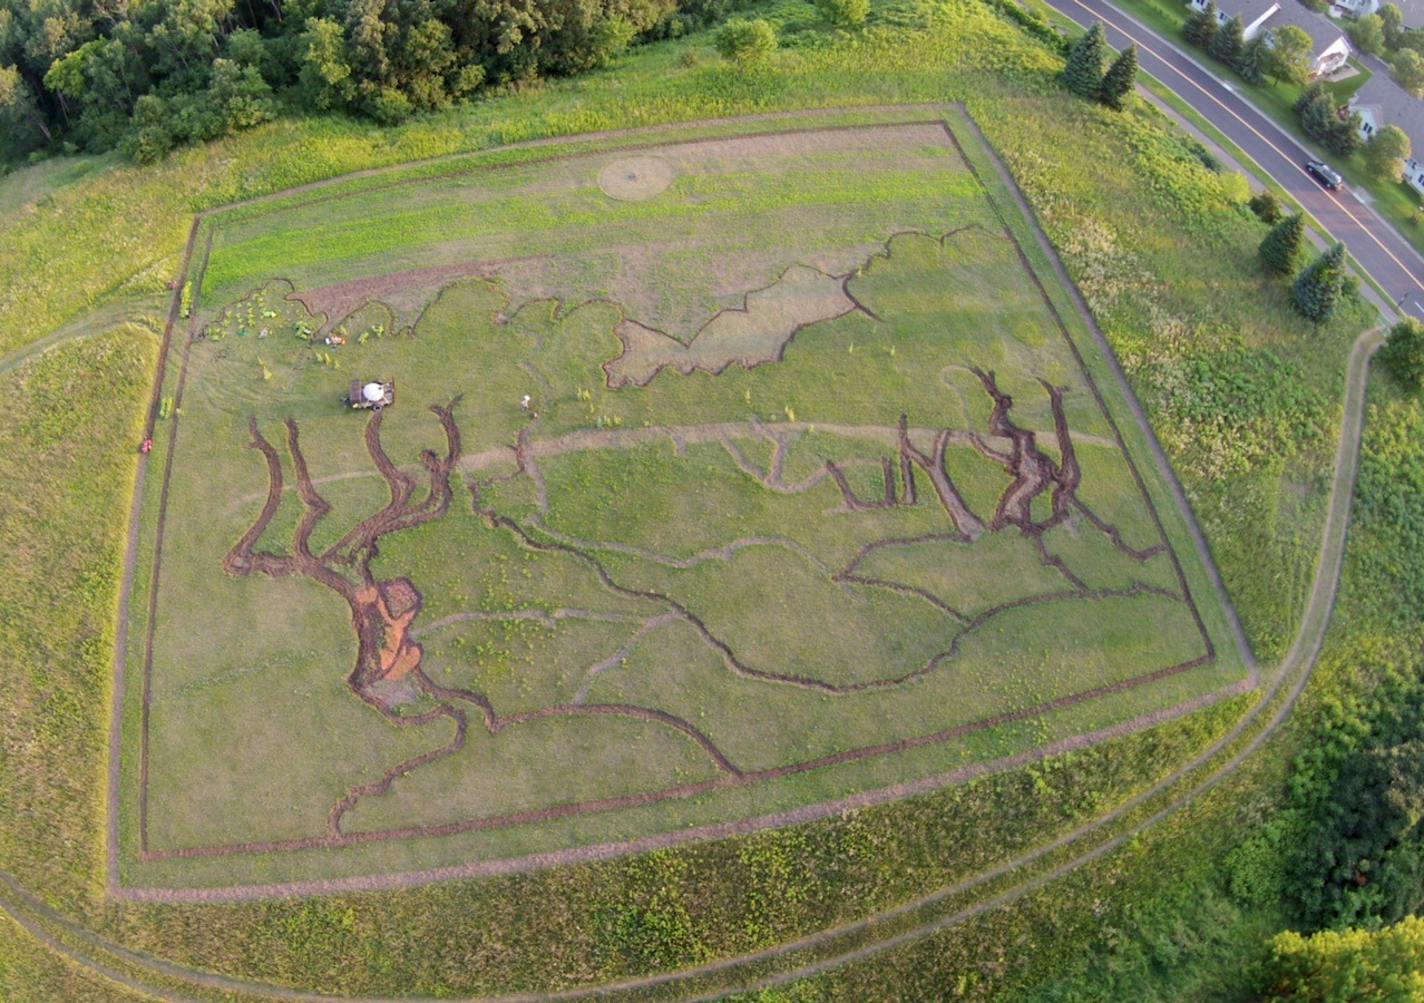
<point>1165,257</point>
<point>680,572</point>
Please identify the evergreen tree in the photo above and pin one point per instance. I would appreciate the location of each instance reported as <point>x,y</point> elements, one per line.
<point>1083,73</point>
<point>1229,43</point>
<point>1311,93</point>
<point>1118,82</point>
<point>1255,60</point>
<point>1317,289</point>
<point>1201,26</point>
<point>1320,117</point>
<point>1267,208</point>
<point>1281,247</point>
<point>1344,135</point>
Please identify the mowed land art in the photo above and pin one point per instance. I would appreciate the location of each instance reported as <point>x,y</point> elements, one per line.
<point>821,494</point>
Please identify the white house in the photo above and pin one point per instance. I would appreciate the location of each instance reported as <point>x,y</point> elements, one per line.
<point>1331,50</point>
<point>1413,10</point>
<point>1381,102</point>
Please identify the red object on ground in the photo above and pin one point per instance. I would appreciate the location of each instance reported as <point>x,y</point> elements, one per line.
<point>145,446</point>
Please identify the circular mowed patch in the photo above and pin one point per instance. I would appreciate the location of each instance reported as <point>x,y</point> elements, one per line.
<point>632,179</point>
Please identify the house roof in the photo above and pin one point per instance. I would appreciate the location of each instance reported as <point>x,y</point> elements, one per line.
<point>1322,31</point>
<point>1413,11</point>
<point>1393,105</point>
<point>1249,10</point>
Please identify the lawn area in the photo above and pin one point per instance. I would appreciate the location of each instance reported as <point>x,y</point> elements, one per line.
<point>702,558</point>
<point>1242,394</point>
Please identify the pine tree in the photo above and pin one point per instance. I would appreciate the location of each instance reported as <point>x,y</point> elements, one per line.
<point>1084,72</point>
<point>1317,289</point>
<point>1229,43</point>
<point>1118,82</point>
<point>1311,93</point>
<point>1281,247</point>
<point>1255,60</point>
<point>1201,26</point>
<point>1320,118</point>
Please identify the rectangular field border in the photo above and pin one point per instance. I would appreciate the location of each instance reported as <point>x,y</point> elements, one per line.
<point>201,234</point>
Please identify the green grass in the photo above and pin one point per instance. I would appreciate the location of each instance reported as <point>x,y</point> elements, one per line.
<point>650,510</point>
<point>1164,257</point>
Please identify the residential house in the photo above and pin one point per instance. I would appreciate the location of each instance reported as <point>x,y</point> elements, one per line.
<point>1381,102</point>
<point>1413,10</point>
<point>1330,50</point>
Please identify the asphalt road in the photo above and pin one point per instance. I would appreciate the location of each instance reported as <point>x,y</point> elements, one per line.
<point>1375,244</point>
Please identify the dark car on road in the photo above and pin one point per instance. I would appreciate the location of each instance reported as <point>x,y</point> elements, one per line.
<point>1323,173</point>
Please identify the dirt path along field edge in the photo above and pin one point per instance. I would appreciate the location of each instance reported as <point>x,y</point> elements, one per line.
<point>1301,656</point>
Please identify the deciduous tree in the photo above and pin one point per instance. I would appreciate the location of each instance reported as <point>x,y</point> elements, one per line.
<point>1290,54</point>
<point>1408,68</point>
<point>1368,34</point>
<point>844,13</point>
<point>1343,965</point>
<point>1386,152</point>
<point>1392,25</point>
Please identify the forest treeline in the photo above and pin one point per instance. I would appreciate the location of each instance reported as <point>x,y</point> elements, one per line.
<point>146,75</point>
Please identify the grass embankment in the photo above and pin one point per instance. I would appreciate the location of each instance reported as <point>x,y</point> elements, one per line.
<point>1163,255</point>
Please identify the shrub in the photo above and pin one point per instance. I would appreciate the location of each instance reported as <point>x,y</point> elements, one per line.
<point>1348,965</point>
<point>746,42</point>
<point>1403,353</point>
<point>844,13</point>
